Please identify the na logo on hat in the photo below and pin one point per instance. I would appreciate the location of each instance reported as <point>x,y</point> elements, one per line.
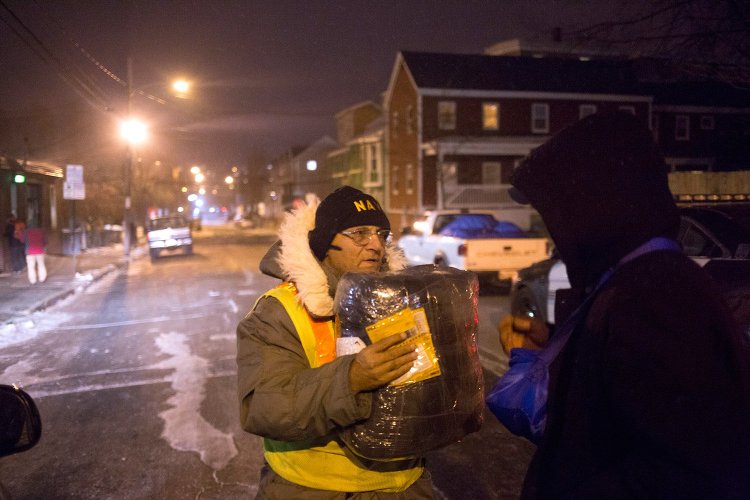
<point>362,205</point>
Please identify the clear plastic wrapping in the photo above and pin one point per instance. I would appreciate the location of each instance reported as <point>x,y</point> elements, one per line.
<point>442,398</point>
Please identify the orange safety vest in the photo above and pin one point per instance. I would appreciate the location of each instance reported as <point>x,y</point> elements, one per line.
<point>323,463</point>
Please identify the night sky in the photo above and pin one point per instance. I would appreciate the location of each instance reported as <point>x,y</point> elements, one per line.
<point>268,75</point>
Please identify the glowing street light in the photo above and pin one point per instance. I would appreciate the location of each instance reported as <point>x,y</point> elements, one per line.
<point>195,169</point>
<point>181,88</point>
<point>133,131</point>
<point>229,179</point>
<point>199,177</point>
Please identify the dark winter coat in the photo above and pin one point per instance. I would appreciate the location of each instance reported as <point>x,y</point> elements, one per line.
<point>649,398</point>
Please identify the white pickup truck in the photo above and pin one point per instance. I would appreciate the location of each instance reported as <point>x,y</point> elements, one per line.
<point>169,233</point>
<point>472,241</point>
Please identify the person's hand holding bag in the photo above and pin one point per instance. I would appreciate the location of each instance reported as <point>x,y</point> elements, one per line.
<point>517,331</point>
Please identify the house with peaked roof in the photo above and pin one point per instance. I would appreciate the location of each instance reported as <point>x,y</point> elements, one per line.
<point>312,174</point>
<point>457,124</point>
<point>699,124</point>
<point>297,174</point>
<point>359,161</point>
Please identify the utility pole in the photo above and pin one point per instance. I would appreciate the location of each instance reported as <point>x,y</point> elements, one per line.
<point>127,213</point>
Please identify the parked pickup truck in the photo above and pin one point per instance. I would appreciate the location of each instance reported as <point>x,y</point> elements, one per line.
<point>717,242</point>
<point>475,241</point>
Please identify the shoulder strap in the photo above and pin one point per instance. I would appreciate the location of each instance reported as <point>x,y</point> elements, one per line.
<point>556,343</point>
<point>316,335</point>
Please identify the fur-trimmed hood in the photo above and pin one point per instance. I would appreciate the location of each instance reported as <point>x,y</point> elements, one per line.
<point>290,259</point>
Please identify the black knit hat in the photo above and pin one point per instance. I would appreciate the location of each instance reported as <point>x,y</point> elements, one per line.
<point>346,207</point>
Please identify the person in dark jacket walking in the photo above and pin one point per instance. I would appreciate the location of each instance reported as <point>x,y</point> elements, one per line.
<point>650,396</point>
<point>14,229</point>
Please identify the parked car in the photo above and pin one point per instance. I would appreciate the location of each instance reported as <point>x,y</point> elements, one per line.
<point>169,233</point>
<point>20,424</point>
<point>246,221</point>
<point>472,241</point>
<point>710,237</point>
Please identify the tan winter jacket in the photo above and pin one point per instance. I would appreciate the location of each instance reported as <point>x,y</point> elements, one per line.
<point>281,397</point>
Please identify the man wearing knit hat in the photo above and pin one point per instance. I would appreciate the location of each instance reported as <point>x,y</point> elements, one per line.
<point>293,389</point>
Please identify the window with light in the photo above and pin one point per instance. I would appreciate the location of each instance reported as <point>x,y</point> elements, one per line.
<point>490,116</point>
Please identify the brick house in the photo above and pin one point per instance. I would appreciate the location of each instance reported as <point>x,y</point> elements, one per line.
<point>458,124</point>
<point>702,125</point>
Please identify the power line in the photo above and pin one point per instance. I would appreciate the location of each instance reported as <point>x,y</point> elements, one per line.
<point>96,62</point>
<point>91,95</point>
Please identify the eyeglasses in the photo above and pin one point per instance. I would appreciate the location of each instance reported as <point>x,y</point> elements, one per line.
<point>362,237</point>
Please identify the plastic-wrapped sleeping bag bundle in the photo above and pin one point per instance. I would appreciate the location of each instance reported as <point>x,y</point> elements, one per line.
<point>441,399</point>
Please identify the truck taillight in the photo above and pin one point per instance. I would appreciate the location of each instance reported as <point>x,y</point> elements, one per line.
<point>462,250</point>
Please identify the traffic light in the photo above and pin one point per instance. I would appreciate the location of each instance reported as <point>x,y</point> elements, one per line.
<point>19,178</point>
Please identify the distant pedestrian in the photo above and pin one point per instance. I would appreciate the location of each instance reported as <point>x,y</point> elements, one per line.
<point>7,235</point>
<point>14,228</point>
<point>36,241</point>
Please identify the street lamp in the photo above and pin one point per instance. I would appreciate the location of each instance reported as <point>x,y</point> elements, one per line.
<point>181,88</point>
<point>134,132</point>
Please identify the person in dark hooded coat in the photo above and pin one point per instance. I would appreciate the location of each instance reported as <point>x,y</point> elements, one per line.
<point>649,397</point>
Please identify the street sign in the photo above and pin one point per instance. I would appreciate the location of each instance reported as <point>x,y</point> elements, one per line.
<point>74,174</point>
<point>74,191</point>
<point>74,187</point>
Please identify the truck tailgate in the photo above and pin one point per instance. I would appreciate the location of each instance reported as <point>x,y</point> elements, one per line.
<point>507,254</point>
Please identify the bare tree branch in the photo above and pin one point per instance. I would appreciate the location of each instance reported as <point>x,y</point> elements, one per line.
<point>707,38</point>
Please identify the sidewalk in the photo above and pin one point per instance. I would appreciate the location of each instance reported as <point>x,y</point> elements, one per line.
<point>65,274</point>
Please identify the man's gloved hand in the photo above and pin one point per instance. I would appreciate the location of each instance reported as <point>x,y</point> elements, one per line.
<point>380,363</point>
<point>518,331</point>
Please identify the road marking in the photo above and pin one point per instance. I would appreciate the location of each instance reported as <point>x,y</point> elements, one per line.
<point>155,319</point>
<point>36,393</point>
<point>233,306</point>
<point>224,336</point>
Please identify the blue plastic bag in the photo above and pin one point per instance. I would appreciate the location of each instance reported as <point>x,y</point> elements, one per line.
<point>519,399</point>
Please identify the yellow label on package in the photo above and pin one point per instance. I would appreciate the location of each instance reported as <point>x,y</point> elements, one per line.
<point>414,323</point>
